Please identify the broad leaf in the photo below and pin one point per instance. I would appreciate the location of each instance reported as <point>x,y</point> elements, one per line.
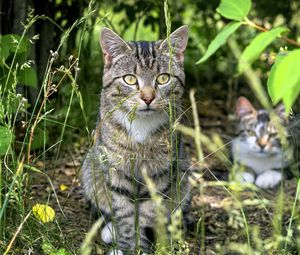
<point>14,42</point>
<point>280,56</point>
<point>28,77</point>
<point>40,138</point>
<point>43,213</point>
<point>234,9</point>
<point>220,39</point>
<point>258,45</point>
<point>284,81</point>
<point>6,138</point>
<point>1,113</point>
<point>4,51</point>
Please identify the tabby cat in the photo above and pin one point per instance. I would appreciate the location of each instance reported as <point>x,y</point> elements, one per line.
<point>142,86</point>
<point>258,147</point>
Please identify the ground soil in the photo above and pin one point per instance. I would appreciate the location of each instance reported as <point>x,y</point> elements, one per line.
<point>217,205</point>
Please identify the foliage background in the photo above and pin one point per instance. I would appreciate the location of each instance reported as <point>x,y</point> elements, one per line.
<point>70,118</point>
<point>141,20</point>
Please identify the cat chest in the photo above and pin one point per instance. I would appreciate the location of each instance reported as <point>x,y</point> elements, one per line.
<point>259,162</point>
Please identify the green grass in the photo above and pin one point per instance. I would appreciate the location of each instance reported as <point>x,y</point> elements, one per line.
<point>21,231</point>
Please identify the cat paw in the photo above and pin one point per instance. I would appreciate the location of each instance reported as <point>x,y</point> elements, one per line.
<point>115,252</point>
<point>245,177</point>
<point>268,179</point>
<point>107,234</point>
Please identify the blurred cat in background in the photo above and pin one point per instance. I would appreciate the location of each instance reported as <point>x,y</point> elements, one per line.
<point>257,146</point>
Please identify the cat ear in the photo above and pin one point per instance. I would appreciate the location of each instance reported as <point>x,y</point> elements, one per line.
<point>280,111</point>
<point>112,44</point>
<point>178,40</point>
<point>244,108</point>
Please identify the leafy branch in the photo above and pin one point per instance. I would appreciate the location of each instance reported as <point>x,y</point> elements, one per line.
<point>284,79</point>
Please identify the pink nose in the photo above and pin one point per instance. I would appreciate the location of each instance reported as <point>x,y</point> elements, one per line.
<point>148,100</point>
<point>147,94</point>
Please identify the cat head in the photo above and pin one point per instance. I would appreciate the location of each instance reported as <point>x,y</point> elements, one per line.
<point>256,129</point>
<point>142,75</point>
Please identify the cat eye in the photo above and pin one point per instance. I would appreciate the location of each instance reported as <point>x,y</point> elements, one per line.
<point>250,132</point>
<point>272,135</point>
<point>130,79</point>
<point>163,78</point>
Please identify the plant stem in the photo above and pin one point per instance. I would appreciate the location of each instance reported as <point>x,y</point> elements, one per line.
<point>197,128</point>
<point>16,234</point>
<point>262,29</point>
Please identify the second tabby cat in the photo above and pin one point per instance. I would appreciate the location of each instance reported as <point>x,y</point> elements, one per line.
<point>257,146</point>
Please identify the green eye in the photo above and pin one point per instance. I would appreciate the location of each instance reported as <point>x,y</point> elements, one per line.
<point>272,135</point>
<point>163,78</point>
<point>130,79</point>
<point>251,132</point>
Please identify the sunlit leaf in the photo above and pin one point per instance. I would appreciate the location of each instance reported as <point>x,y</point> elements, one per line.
<point>28,77</point>
<point>234,9</point>
<point>220,40</point>
<point>258,45</point>
<point>284,81</point>
<point>271,90</point>
<point>6,138</point>
<point>43,213</point>
<point>63,187</point>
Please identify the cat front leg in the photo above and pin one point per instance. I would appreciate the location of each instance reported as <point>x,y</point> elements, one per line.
<point>121,230</point>
<point>245,177</point>
<point>147,217</point>
<point>268,179</point>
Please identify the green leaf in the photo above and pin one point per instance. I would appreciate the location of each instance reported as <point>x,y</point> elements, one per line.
<point>28,77</point>
<point>43,212</point>
<point>40,137</point>
<point>234,9</point>
<point>280,56</point>
<point>8,82</point>
<point>220,39</point>
<point>6,138</point>
<point>4,51</point>
<point>1,113</point>
<point>284,81</point>
<point>258,45</point>
<point>13,41</point>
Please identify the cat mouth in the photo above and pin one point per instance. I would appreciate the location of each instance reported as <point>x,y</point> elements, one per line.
<point>147,110</point>
<point>266,153</point>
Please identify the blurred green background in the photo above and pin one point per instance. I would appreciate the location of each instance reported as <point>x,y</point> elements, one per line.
<point>137,20</point>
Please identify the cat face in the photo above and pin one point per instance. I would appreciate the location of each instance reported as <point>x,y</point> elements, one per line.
<point>257,132</point>
<point>142,76</point>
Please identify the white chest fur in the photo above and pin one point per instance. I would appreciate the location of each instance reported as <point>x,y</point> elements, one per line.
<point>258,162</point>
<point>142,126</point>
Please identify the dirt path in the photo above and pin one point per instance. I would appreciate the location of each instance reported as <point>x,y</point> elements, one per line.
<point>219,205</point>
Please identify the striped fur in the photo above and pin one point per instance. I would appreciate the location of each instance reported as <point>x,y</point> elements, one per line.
<point>134,136</point>
<point>258,147</point>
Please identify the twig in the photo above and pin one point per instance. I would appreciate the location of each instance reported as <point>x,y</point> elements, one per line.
<point>16,234</point>
<point>260,28</point>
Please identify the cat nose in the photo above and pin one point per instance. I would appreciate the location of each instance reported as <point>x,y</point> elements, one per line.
<point>262,142</point>
<point>262,146</point>
<point>147,94</point>
<point>148,100</point>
